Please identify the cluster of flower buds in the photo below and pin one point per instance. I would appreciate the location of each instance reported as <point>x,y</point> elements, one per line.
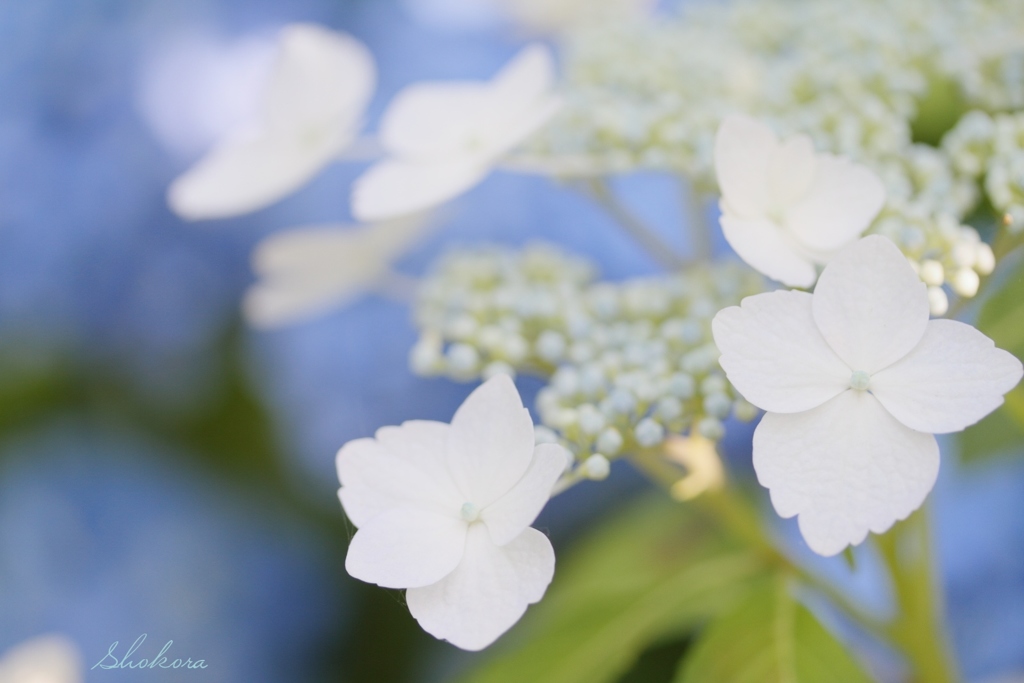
<point>991,149</point>
<point>628,363</point>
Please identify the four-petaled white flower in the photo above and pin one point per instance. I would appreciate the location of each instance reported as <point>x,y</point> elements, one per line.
<point>786,208</point>
<point>445,512</point>
<point>45,659</point>
<point>306,271</point>
<point>311,111</point>
<point>444,138</point>
<point>855,380</point>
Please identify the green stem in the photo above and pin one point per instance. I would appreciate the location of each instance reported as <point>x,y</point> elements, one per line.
<point>728,509</point>
<point>697,223</point>
<point>665,255</point>
<point>919,628</point>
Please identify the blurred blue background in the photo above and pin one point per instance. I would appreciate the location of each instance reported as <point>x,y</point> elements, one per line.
<point>165,470</point>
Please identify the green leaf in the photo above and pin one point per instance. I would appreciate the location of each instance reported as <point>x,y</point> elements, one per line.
<point>770,638</point>
<point>657,571</point>
<point>1002,319</point>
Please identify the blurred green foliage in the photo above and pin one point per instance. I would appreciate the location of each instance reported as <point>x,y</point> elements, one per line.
<point>653,575</point>
<point>1001,319</point>
<point>770,638</point>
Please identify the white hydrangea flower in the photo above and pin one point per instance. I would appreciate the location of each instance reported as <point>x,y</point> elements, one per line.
<point>46,659</point>
<point>444,138</point>
<point>312,108</point>
<point>445,512</point>
<point>786,208</point>
<point>305,271</point>
<point>855,380</point>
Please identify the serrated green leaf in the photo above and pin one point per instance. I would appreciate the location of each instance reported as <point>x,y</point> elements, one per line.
<point>1002,319</point>
<point>770,638</point>
<point>656,572</point>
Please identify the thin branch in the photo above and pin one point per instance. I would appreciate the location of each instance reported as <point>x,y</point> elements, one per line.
<point>637,229</point>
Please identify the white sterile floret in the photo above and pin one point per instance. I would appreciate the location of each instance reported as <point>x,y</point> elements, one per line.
<point>45,659</point>
<point>306,271</point>
<point>855,380</point>
<point>445,512</point>
<point>786,209</point>
<point>312,108</point>
<point>444,138</point>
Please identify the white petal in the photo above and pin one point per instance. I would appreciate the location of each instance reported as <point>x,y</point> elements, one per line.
<point>870,306</point>
<point>391,189</point>
<point>952,379</point>
<point>520,101</point>
<point>45,659</point>
<point>509,515</point>
<point>491,442</point>
<point>841,203</point>
<point>404,467</point>
<point>791,170</point>
<point>846,468</point>
<point>249,171</point>
<point>743,148</point>
<point>406,549</point>
<point>489,591</point>
<point>763,245</point>
<point>774,354</point>
<point>515,131</point>
<point>308,270</point>
<point>321,78</point>
<point>433,122</point>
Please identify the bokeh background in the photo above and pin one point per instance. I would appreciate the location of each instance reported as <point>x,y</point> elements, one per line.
<point>166,470</point>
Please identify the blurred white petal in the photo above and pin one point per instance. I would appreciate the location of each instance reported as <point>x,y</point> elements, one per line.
<point>444,138</point>
<point>312,109</point>
<point>306,271</point>
<point>46,659</point>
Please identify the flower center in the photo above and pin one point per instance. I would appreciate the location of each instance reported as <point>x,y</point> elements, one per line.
<point>860,380</point>
<point>469,512</point>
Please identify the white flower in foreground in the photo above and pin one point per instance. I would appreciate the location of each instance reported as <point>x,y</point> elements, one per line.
<point>306,271</point>
<point>855,380</point>
<point>786,208</point>
<point>444,138</point>
<point>445,511</point>
<point>46,659</point>
<point>311,111</point>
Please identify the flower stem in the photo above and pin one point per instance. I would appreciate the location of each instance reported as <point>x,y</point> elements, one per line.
<point>665,255</point>
<point>918,629</point>
<point>728,509</point>
<point>696,221</point>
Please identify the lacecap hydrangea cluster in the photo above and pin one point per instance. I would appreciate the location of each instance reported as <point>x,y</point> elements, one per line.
<point>866,79</point>
<point>990,150</point>
<point>628,363</point>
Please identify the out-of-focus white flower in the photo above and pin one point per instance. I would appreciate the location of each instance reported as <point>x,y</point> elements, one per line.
<point>305,271</point>
<point>312,108</point>
<point>445,512</point>
<point>46,659</point>
<point>444,138</point>
<point>855,380</point>
<point>786,208</point>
